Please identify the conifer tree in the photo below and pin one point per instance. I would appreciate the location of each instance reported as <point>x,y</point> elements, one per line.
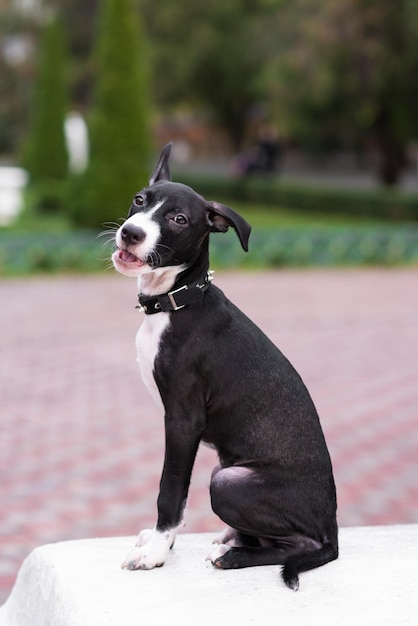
<point>119,119</point>
<point>45,153</point>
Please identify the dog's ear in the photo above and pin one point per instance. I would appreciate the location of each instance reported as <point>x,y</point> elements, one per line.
<point>162,171</point>
<point>221,217</point>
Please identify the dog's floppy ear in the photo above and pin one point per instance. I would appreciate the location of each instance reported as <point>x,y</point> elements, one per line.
<point>221,217</point>
<point>162,171</point>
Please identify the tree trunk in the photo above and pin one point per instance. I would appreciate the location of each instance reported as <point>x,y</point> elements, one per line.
<point>392,161</point>
<point>392,151</point>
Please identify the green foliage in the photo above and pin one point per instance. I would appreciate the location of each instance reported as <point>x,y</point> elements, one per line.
<point>119,120</point>
<point>45,154</point>
<point>325,247</point>
<point>346,76</point>
<point>16,77</point>
<point>210,55</point>
<point>333,75</point>
<point>79,18</point>
<point>28,253</point>
<point>46,197</point>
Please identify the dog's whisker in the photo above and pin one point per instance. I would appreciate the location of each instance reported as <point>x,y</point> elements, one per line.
<point>157,257</point>
<point>105,259</point>
<point>110,241</point>
<point>106,249</point>
<point>115,224</point>
<point>109,232</point>
<point>110,236</point>
<point>111,229</point>
<point>161,245</point>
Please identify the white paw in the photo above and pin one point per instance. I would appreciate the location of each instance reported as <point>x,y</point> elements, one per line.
<point>151,550</point>
<point>219,551</point>
<point>141,558</point>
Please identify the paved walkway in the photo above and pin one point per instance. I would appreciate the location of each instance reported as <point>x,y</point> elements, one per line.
<point>81,442</point>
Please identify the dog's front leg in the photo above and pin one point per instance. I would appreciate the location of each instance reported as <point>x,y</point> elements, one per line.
<point>153,546</point>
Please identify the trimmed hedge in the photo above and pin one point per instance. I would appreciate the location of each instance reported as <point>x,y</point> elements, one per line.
<point>379,203</point>
<point>22,254</point>
<point>327,247</point>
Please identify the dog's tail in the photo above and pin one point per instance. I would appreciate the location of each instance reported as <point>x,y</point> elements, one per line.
<point>304,561</point>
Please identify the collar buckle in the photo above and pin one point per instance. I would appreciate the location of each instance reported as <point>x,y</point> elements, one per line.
<point>173,303</point>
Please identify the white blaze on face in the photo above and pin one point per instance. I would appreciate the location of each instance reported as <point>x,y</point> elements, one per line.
<point>132,260</point>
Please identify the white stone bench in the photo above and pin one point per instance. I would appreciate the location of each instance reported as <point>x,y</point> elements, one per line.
<point>80,583</point>
<point>12,183</point>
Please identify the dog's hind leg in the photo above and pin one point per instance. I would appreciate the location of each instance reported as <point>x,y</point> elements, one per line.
<point>236,493</point>
<point>294,560</point>
<point>256,506</point>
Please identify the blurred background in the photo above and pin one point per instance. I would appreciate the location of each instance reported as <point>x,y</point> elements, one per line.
<point>302,112</point>
<point>302,115</point>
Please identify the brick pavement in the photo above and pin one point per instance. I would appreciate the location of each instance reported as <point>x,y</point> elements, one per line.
<point>81,442</point>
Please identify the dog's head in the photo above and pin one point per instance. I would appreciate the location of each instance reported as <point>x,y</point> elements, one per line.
<point>168,223</point>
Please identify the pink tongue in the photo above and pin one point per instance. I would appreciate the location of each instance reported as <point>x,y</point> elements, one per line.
<point>127,256</point>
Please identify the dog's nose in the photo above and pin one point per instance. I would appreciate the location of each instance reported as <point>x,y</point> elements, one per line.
<point>132,235</point>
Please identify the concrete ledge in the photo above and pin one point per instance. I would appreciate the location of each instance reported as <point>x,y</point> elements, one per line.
<point>79,583</point>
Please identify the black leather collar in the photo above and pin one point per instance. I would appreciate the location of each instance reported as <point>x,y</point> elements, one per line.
<point>176,299</point>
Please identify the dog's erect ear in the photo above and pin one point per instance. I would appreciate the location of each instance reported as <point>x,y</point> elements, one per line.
<point>221,217</point>
<point>162,171</point>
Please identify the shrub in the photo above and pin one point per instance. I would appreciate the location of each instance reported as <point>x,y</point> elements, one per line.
<point>119,121</point>
<point>45,153</point>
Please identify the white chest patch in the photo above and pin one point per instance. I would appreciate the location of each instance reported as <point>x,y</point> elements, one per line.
<point>147,346</point>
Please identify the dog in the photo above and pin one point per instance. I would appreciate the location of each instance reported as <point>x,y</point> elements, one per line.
<point>222,382</point>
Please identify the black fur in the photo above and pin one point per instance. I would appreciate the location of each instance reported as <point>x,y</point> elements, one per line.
<point>223,382</point>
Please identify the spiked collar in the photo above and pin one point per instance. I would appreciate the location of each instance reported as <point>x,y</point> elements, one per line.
<point>176,299</point>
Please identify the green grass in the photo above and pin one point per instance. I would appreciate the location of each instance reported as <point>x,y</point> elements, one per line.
<point>43,224</point>
<point>258,215</point>
<point>391,205</point>
<point>262,216</point>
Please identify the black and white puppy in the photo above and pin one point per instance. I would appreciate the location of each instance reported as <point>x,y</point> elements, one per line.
<point>222,382</point>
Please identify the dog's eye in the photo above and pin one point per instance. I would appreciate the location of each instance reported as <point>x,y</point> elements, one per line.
<point>139,200</point>
<point>180,218</point>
